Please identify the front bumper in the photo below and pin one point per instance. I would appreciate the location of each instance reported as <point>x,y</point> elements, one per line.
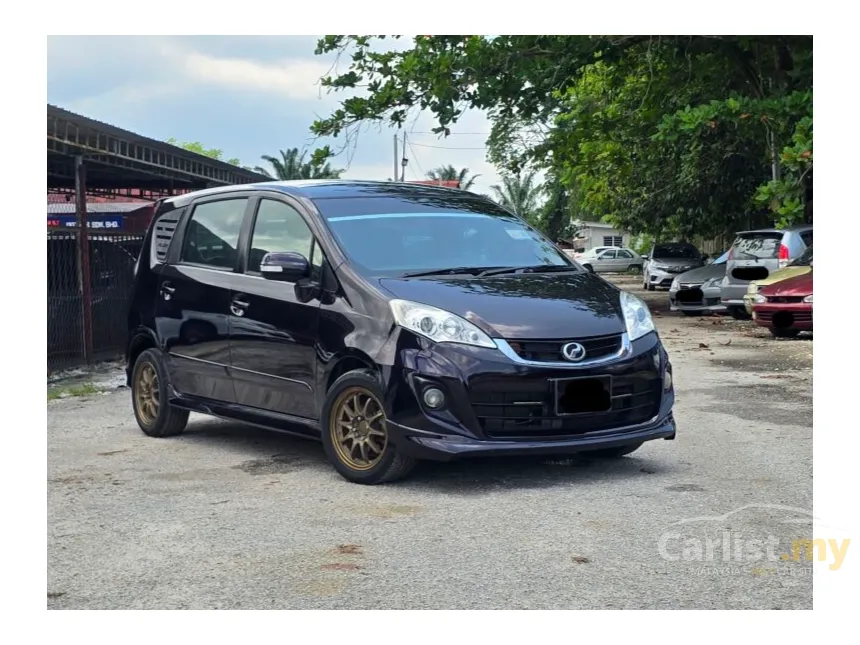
<point>694,298</point>
<point>784,315</point>
<point>495,406</point>
<point>658,278</point>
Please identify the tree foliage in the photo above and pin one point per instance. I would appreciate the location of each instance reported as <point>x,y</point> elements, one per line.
<point>200,149</point>
<point>450,173</point>
<point>291,164</point>
<point>670,135</point>
<point>521,194</point>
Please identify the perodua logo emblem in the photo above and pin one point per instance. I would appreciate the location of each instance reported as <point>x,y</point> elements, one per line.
<point>573,352</point>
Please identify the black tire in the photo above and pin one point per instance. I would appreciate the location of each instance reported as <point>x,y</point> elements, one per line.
<point>167,421</point>
<point>588,268</point>
<point>614,453</point>
<point>390,465</point>
<point>739,313</point>
<point>650,287</point>
<point>634,269</point>
<point>779,332</point>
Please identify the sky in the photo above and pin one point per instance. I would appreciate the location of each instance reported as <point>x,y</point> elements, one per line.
<point>247,95</point>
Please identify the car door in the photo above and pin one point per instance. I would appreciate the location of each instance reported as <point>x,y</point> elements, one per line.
<point>623,260</point>
<point>604,261</point>
<point>193,298</point>
<point>273,326</point>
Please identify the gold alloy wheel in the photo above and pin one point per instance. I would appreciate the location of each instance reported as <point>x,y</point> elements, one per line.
<point>146,394</point>
<point>357,428</point>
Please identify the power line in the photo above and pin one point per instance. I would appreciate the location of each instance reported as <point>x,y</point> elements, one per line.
<point>451,134</point>
<point>414,156</point>
<point>427,145</point>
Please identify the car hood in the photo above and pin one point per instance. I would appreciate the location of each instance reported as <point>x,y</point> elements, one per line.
<point>525,306</point>
<point>799,285</point>
<point>782,274</point>
<point>698,276</point>
<point>677,262</point>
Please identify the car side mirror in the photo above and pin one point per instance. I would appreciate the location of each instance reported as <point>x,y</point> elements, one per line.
<point>286,266</point>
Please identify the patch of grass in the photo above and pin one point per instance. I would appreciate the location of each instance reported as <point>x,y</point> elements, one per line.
<point>83,389</point>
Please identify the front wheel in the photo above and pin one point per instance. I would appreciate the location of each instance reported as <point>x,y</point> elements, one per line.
<point>355,433</point>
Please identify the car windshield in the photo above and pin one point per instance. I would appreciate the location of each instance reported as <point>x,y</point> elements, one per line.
<point>757,246</point>
<point>722,259</point>
<point>393,236</point>
<point>676,252</point>
<point>804,260</point>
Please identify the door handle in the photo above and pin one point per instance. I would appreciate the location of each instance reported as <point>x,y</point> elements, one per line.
<point>167,290</point>
<point>238,307</point>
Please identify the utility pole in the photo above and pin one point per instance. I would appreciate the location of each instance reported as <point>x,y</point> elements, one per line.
<point>404,161</point>
<point>396,158</point>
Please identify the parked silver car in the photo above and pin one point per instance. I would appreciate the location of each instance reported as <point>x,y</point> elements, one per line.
<point>666,261</point>
<point>698,291</point>
<point>613,260</point>
<point>754,256</point>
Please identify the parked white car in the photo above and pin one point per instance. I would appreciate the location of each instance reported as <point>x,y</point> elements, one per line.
<point>611,259</point>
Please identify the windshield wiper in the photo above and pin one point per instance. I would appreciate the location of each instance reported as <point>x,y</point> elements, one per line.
<point>451,271</point>
<point>540,268</point>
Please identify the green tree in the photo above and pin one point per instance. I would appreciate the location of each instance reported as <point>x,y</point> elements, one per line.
<point>200,149</point>
<point>652,132</point>
<point>450,173</point>
<point>291,164</point>
<point>521,194</point>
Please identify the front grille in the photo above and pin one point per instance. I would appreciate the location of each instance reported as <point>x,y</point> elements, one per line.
<point>690,295</point>
<point>527,409</point>
<point>550,350</point>
<point>785,299</point>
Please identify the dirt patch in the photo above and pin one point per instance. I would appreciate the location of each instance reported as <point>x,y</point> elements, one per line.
<point>274,465</point>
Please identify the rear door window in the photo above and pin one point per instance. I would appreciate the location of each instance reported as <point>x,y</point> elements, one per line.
<point>806,236</point>
<point>756,246</point>
<point>212,235</point>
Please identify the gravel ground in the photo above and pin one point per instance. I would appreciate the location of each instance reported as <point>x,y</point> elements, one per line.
<point>227,516</point>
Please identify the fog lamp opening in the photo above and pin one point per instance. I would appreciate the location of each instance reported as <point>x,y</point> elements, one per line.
<point>433,398</point>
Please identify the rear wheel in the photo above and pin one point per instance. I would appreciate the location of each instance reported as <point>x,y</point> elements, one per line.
<point>614,453</point>
<point>634,269</point>
<point>149,392</point>
<point>588,268</point>
<point>355,433</point>
<point>779,332</point>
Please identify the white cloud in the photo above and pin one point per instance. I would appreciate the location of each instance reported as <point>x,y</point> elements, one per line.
<point>295,78</point>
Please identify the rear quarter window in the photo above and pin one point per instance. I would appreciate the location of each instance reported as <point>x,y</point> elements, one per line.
<point>164,228</point>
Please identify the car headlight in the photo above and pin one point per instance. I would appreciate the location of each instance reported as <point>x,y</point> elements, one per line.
<point>711,283</point>
<point>676,284</point>
<point>660,267</point>
<point>636,316</point>
<point>760,299</point>
<point>437,324</point>
<point>808,299</point>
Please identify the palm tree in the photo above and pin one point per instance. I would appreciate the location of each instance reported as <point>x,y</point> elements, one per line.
<point>520,194</point>
<point>292,165</point>
<point>450,173</point>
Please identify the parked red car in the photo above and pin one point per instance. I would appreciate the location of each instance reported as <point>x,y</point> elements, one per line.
<point>785,307</point>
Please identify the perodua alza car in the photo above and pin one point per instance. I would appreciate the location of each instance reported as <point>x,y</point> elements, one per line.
<point>395,322</point>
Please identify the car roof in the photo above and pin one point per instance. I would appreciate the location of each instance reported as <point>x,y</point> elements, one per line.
<point>331,189</point>
<point>787,229</point>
